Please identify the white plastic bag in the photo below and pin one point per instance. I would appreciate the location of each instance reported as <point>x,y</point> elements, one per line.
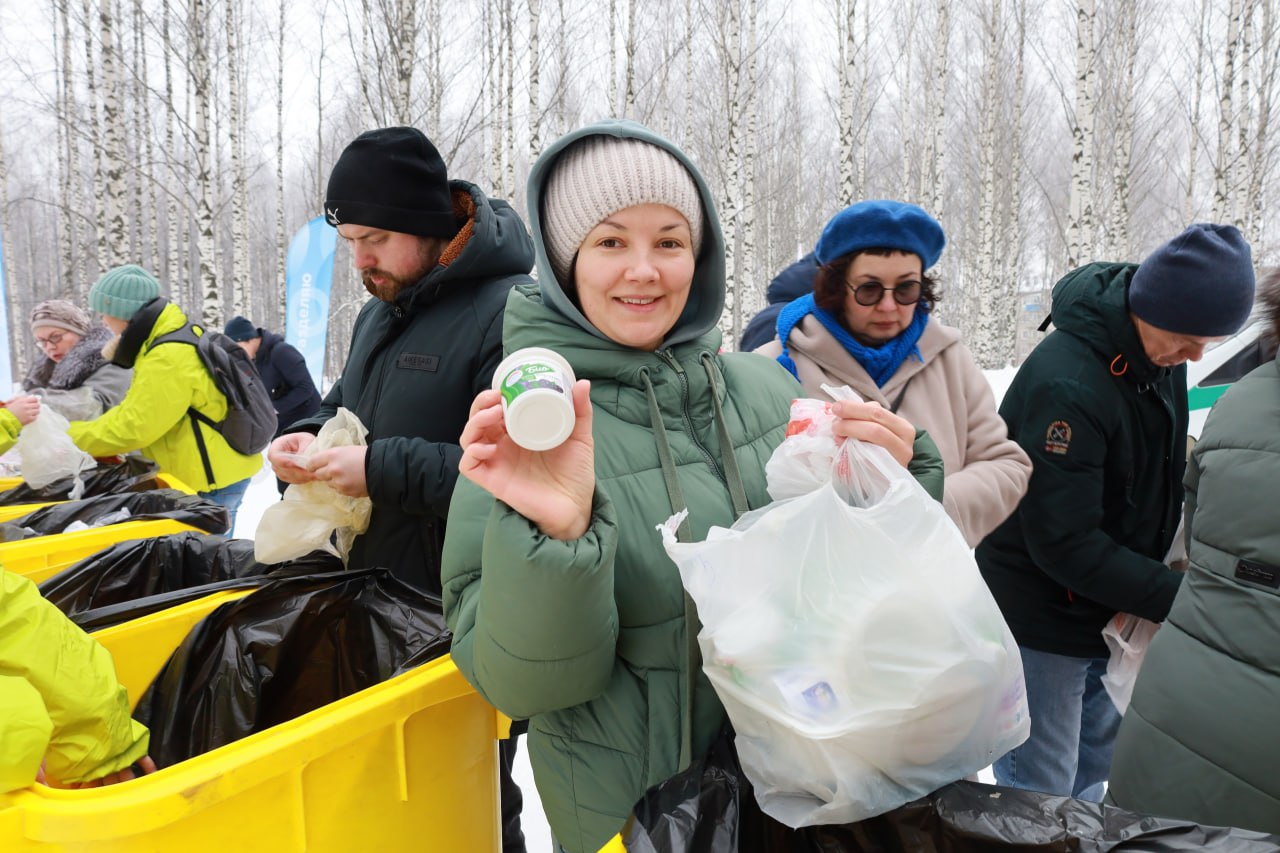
<point>49,454</point>
<point>1128,638</point>
<point>313,516</point>
<point>857,650</point>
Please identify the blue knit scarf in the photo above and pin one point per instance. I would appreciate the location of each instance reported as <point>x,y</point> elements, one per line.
<point>880,362</point>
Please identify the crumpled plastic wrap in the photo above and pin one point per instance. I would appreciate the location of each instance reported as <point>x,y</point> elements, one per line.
<point>313,516</point>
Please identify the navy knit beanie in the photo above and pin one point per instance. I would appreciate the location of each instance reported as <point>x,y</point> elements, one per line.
<point>391,178</point>
<point>882,225</point>
<point>239,329</point>
<point>1199,283</point>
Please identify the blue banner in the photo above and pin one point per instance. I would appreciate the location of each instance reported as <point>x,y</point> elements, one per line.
<point>308,276</point>
<point>6,352</point>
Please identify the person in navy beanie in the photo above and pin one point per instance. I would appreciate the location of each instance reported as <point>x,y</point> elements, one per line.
<point>1100,406</point>
<point>283,370</point>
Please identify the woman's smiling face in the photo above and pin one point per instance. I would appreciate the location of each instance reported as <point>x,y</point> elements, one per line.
<point>633,273</point>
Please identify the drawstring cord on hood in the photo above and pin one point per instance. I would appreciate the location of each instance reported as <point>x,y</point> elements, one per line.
<point>1123,369</point>
<point>737,493</point>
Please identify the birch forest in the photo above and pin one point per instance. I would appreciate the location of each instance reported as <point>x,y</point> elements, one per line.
<point>195,136</point>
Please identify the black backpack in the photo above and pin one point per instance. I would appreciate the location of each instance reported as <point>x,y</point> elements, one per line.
<point>250,423</point>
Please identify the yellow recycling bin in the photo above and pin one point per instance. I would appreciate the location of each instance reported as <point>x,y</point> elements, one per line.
<point>409,764</point>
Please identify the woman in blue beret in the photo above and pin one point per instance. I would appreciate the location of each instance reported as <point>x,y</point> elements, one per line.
<point>867,325</point>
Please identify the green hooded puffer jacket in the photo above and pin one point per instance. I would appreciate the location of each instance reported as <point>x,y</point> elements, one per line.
<point>1197,742</point>
<point>588,638</point>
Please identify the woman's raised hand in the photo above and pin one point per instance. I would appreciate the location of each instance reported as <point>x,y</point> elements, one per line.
<point>873,423</point>
<point>552,488</point>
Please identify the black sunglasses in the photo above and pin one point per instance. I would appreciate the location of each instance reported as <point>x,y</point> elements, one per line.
<point>907,293</point>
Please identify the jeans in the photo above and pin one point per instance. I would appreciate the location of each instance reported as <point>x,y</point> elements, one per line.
<point>230,497</point>
<point>1073,728</point>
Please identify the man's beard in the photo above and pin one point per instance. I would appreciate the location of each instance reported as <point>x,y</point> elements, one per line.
<point>428,256</point>
<point>390,285</point>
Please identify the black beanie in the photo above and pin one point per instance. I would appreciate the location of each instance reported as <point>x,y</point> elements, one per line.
<point>391,178</point>
<point>1199,283</point>
<point>240,330</point>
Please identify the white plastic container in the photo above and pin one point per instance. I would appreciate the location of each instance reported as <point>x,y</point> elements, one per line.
<point>536,385</point>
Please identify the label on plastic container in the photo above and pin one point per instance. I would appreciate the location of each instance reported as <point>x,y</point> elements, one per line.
<point>531,375</point>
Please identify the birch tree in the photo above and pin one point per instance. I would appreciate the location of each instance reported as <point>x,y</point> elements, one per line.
<point>202,97</point>
<point>846,26</point>
<point>1197,92</point>
<point>1260,147</point>
<point>933,172</point>
<point>535,109</point>
<point>729,50</point>
<point>114,238</point>
<point>238,268</point>
<point>1127,46</point>
<point>1080,222</point>
<point>173,238</point>
<point>629,98</point>
<point>281,238</point>
<point>92,207</point>
<point>69,144</point>
<point>990,292</point>
<point>1224,167</point>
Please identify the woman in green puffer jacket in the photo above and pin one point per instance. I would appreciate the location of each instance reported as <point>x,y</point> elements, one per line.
<point>565,608</point>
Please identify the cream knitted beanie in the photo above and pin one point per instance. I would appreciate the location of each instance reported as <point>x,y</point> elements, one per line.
<point>601,175</point>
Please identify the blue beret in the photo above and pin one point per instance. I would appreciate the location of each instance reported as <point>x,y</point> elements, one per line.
<point>882,224</point>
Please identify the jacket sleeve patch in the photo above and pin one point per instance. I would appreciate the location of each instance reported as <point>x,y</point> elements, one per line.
<point>1057,439</point>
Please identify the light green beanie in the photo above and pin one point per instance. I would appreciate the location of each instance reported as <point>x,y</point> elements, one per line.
<point>122,291</point>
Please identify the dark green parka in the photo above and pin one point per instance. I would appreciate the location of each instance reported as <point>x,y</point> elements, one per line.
<point>413,369</point>
<point>588,638</point>
<point>1199,740</point>
<point>1106,432</point>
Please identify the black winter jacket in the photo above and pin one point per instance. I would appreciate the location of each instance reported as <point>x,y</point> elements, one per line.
<point>412,371</point>
<point>1106,431</point>
<point>285,375</point>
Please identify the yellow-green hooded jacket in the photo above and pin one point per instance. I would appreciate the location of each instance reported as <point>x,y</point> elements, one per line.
<point>9,429</point>
<point>59,698</point>
<point>167,381</point>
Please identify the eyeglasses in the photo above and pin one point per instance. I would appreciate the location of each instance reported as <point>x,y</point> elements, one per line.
<point>907,293</point>
<point>51,341</point>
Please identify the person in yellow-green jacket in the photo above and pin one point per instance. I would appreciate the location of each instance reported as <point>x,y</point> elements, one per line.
<point>64,717</point>
<point>168,383</point>
<point>14,415</point>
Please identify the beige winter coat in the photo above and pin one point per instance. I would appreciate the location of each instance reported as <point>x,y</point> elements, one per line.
<point>947,396</point>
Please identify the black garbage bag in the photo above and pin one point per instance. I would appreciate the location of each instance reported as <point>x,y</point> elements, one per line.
<point>194,510</point>
<point>711,808</point>
<point>285,649</point>
<point>94,607</point>
<point>130,570</point>
<point>134,474</point>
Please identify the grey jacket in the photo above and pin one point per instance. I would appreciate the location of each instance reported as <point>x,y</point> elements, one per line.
<point>1199,739</point>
